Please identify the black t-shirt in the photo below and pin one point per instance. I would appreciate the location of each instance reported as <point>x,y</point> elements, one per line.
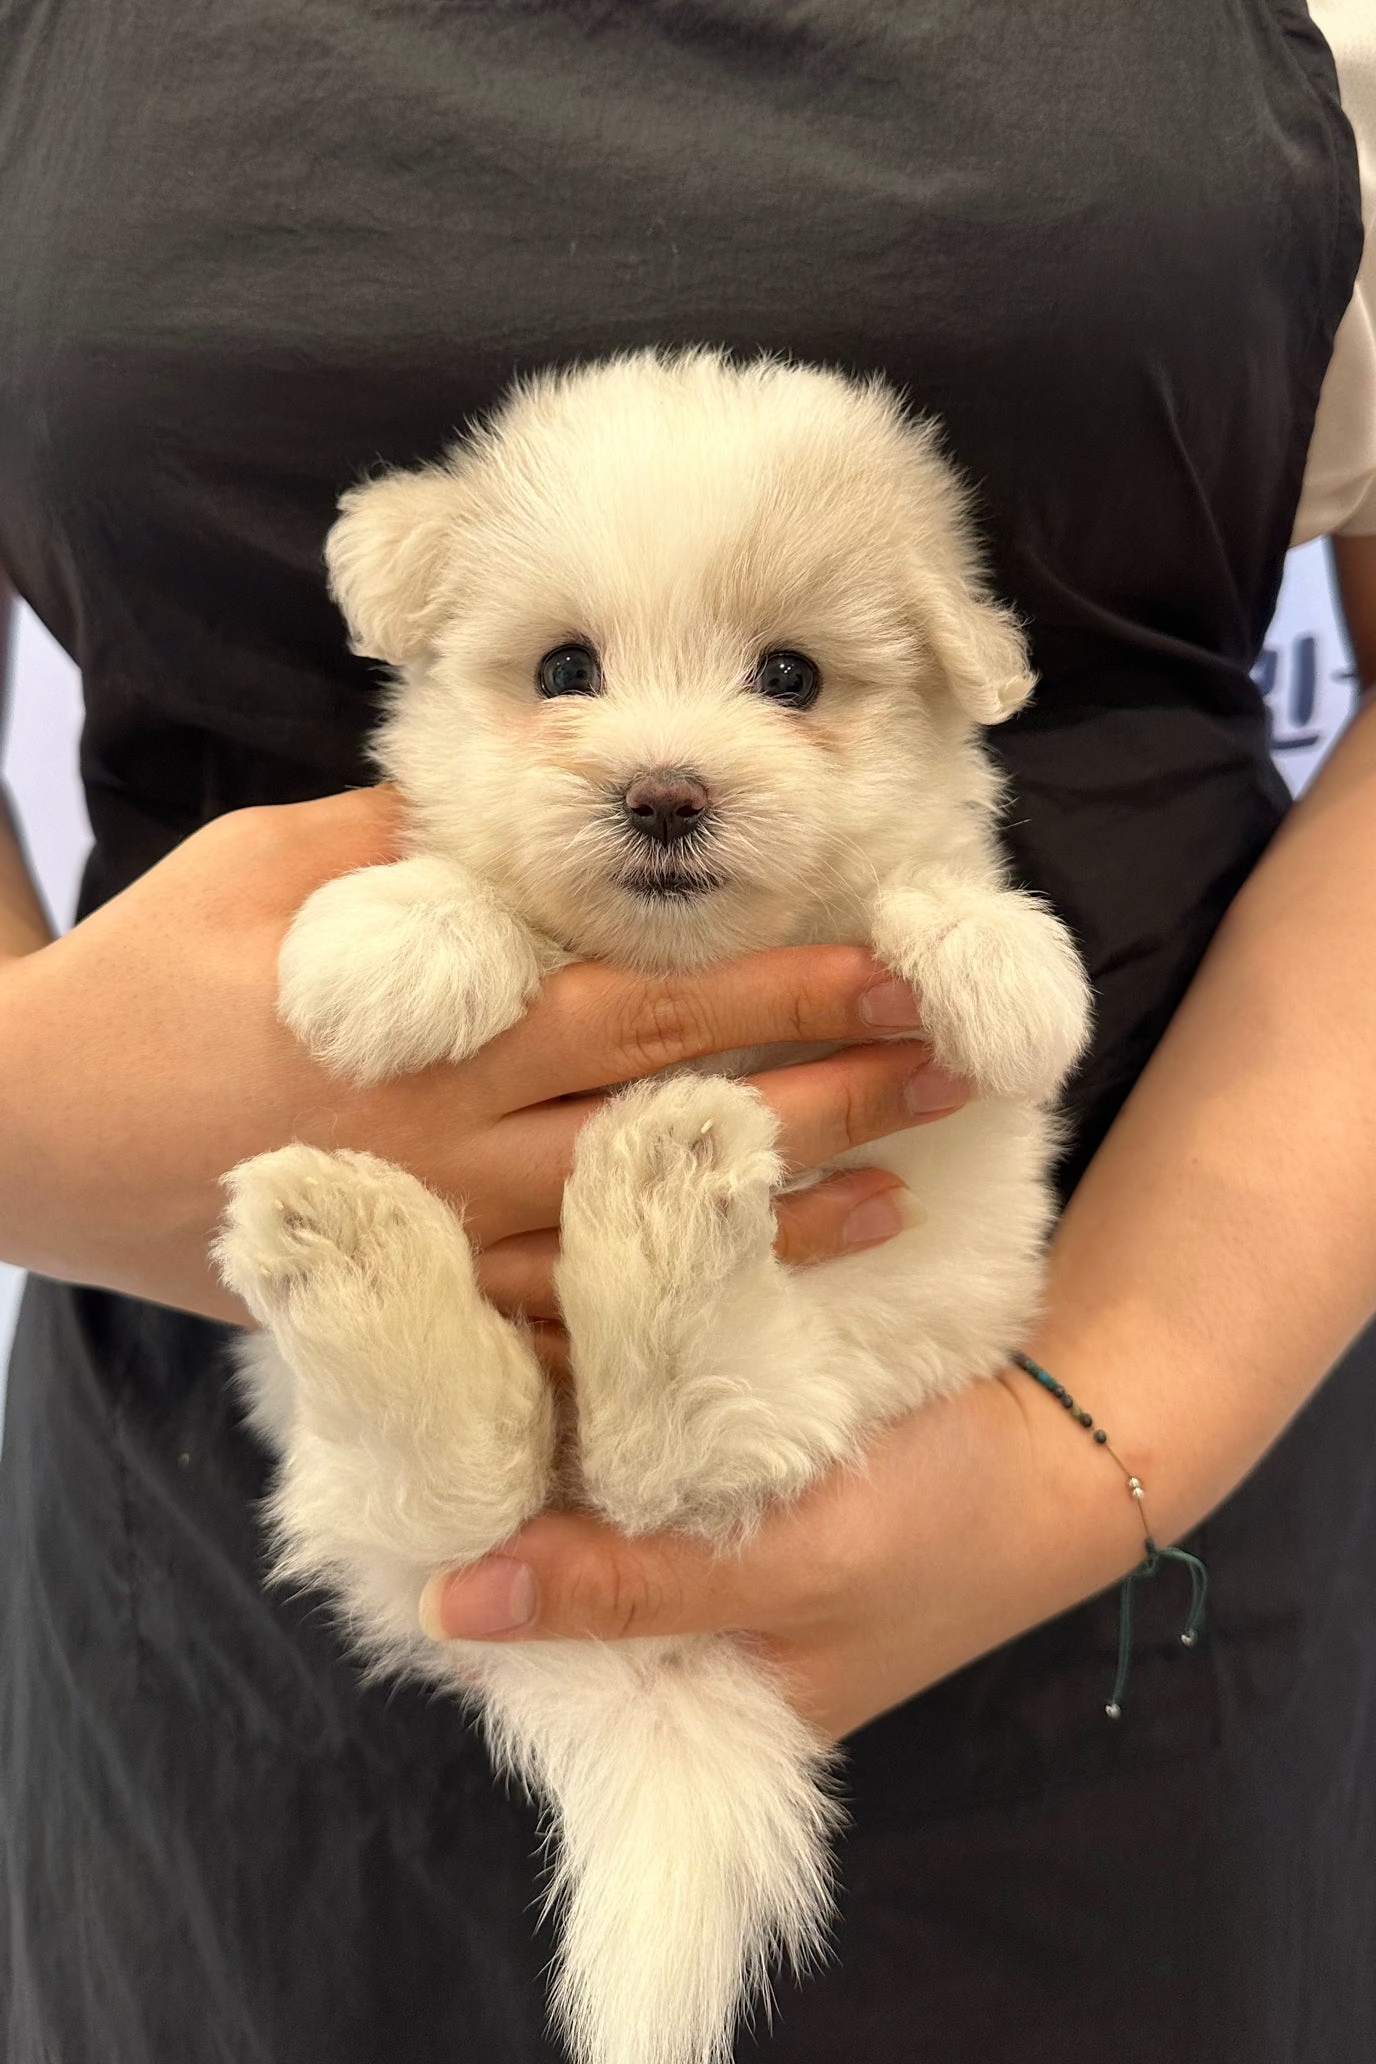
<point>252,249</point>
<point>249,250</point>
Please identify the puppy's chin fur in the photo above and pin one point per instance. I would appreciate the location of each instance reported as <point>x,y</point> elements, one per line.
<point>654,933</point>
<point>680,517</point>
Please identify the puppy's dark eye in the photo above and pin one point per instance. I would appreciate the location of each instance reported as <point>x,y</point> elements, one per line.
<point>790,678</point>
<point>570,670</point>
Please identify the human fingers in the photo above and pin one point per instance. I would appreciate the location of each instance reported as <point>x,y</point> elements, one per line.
<point>569,1575</point>
<point>550,1342</point>
<point>517,1274</point>
<point>807,1572</point>
<point>593,1026</point>
<point>865,1093</point>
<point>576,1578</point>
<point>825,1108</point>
<point>517,1277</point>
<point>861,1208</point>
<point>881,1579</point>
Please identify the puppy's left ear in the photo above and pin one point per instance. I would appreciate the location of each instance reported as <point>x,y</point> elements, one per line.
<point>392,558</point>
<point>975,643</point>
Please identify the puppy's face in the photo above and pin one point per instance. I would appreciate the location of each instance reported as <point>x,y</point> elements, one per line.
<point>688,655</point>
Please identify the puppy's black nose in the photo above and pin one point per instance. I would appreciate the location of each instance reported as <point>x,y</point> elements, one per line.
<point>665,806</point>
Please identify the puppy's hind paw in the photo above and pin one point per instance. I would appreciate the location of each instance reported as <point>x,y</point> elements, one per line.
<point>674,1180</point>
<point>420,1423</point>
<point>298,1212</point>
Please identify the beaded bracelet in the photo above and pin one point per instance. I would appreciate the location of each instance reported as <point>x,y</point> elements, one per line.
<point>1155,1556</point>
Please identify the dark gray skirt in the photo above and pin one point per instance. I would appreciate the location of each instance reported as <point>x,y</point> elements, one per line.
<point>220,1848</point>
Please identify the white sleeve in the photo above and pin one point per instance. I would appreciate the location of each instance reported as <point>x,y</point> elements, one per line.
<point>1339,491</point>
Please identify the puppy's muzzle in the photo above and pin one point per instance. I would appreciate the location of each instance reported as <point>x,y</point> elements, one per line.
<point>665,807</point>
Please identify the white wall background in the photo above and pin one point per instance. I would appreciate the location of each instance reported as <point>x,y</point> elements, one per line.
<point>1306,672</point>
<point>38,760</point>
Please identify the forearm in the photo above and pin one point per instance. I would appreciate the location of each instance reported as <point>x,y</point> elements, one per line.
<point>1251,1136</point>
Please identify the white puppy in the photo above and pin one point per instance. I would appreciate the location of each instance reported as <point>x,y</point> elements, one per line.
<point>690,659</point>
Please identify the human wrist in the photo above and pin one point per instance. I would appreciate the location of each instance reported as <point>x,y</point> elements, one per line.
<point>998,1521</point>
<point>1178,1407</point>
<point>1076,1520</point>
<point>1154,1553</point>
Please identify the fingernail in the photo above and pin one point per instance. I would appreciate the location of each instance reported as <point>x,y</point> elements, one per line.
<point>932,1090</point>
<point>493,1597</point>
<point>891,1005</point>
<point>880,1218</point>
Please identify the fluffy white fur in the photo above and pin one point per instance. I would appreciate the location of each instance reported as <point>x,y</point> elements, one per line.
<point>681,516</point>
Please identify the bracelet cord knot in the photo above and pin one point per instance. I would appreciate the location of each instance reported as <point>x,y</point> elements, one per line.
<point>1154,1555</point>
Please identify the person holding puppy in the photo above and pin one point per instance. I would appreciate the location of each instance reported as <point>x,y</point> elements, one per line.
<point>318,242</point>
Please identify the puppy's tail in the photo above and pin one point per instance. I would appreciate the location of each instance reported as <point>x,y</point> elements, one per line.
<point>692,1816</point>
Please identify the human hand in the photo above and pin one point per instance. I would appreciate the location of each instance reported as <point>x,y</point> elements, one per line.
<point>965,1524</point>
<point>141,1057</point>
<point>982,1515</point>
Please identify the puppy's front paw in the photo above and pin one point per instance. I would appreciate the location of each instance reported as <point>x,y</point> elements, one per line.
<point>1004,997</point>
<point>391,969</point>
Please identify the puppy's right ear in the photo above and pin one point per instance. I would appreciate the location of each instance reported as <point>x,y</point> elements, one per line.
<point>391,557</point>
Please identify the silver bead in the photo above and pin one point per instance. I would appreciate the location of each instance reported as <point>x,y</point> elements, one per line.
<point>1188,1640</point>
<point>1114,1711</point>
<point>1135,1486</point>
